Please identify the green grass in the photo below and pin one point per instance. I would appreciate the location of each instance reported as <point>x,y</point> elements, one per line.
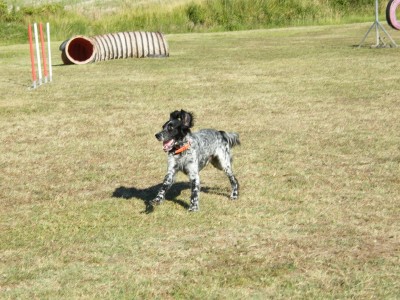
<point>73,17</point>
<point>318,166</point>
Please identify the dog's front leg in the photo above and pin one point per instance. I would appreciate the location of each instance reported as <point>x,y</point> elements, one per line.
<point>168,181</point>
<point>194,198</point>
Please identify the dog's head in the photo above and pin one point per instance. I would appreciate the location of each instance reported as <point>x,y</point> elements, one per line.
<point>175,129</point>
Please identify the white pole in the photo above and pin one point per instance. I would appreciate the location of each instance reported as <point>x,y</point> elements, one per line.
<point>38,53</point>
<point>49,52</point>
<point>377,22</point>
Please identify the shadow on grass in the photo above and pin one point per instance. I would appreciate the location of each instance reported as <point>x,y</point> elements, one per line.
<point>148,194</point>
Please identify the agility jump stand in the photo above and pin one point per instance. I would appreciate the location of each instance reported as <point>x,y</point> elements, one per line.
<point>40,55</point>
<point>380,43</point>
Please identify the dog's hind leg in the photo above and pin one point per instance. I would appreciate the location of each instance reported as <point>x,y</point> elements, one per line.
<point>223,161</point>
<point>235,186</point>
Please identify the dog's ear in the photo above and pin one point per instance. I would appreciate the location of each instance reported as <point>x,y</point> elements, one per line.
<point>187,119</point>
<point>175,115</point>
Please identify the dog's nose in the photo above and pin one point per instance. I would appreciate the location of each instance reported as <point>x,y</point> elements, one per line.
<point>158,136</point>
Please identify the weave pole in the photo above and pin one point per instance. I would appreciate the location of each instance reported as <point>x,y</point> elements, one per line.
<point>38,60</point>
<point>41,55</point>
<point>43,52</point>
<point>32,56</point>
<point>49,51</point>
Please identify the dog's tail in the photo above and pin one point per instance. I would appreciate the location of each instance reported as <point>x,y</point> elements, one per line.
<point>232,138</point>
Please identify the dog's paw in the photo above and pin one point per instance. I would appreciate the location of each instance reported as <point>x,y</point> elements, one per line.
<point>234,196</point>
<point>156,201</point>
<point>193,208</point>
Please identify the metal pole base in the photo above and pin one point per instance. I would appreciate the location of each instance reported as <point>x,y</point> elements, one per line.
<point>380,43</point>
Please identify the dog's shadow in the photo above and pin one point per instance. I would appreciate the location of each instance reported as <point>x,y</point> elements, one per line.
<point>148,194</point>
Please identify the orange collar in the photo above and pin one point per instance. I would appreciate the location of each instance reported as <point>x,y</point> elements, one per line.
<point>183,148</point>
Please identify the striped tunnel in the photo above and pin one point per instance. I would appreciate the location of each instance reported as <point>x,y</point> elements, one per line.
<point>82,50</point>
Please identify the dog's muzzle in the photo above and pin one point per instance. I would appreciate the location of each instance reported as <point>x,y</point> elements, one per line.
<point>159,136</point>
<point>168,144</point>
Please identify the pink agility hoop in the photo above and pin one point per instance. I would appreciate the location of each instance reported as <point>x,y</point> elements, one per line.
<point>391,14</point>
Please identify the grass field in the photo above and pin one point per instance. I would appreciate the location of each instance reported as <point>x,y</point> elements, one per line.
<point>318,214</point>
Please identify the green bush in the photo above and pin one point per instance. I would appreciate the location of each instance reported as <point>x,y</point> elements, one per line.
<point>196,13</point>
<point>3,10</point>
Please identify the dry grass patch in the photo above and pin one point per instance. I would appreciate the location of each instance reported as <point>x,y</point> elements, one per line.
<point>318,166</point>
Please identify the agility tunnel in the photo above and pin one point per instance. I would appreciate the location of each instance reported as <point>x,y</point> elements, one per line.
<point>391,14</point>
<point>82,50</point>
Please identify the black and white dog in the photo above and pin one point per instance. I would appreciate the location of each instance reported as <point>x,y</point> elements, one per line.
<point>190,153</point>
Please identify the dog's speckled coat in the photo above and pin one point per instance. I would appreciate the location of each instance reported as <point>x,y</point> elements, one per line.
<point>206,145</point>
